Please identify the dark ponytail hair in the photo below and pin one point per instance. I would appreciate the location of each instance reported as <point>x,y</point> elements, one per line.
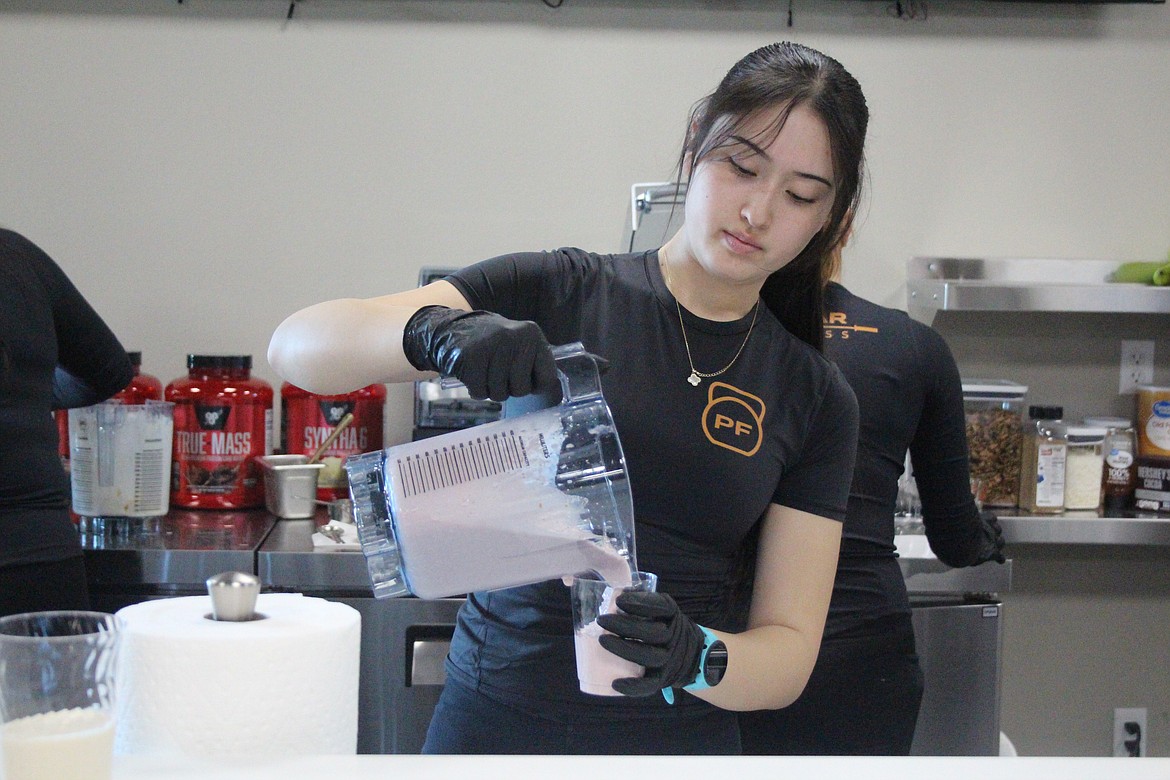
<point>787,75</point>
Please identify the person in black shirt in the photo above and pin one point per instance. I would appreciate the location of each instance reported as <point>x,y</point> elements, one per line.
<point>55,353</point>
<point>865,691</point>
<point>739,436</point>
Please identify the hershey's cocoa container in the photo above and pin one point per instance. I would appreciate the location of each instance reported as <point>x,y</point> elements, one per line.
<point>307,420</point>
<point>223,422</point>
<point>1152,489</point>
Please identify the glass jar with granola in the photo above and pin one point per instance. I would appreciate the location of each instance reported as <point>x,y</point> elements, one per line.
<point>994,410</point>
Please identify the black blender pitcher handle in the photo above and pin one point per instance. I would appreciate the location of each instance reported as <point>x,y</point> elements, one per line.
<point>578,370</point>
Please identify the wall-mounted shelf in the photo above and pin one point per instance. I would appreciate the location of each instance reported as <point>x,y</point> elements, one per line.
<point>935,284</point>
<point>1084,528</point>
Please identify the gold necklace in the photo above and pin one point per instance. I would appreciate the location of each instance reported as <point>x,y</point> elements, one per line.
<point>697,376</point>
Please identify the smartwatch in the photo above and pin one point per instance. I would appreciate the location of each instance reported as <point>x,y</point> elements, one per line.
<point>712,663</point>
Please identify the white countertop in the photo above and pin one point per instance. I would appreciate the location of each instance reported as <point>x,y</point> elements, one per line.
<point>644,768</point>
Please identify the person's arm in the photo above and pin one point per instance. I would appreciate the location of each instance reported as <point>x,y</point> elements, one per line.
<point>341,345</point>
<point>92,365</point>
<point>769,664</point>
<point>71,392</point>
<point>957,532</point>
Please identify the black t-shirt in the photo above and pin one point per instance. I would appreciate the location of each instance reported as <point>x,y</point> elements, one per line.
<point>56,352</point>
<point>704,462</point>
<point>910,397</point>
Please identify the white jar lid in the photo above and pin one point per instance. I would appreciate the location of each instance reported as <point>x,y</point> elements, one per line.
<point>993,389</point>
<point>1108,422</point>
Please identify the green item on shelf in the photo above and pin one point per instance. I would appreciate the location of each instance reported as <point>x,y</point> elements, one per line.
<point>1162,276</point>
<point>1139,272</point>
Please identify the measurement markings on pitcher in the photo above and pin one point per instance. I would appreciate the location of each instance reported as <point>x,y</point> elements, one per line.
<point>445,467</point>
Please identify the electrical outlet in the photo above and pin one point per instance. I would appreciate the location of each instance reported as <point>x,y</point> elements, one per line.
<point>1137,365</point>
<point>1129,732</point>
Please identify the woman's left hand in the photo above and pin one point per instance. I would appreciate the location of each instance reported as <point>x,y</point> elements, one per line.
<point>653,633</point>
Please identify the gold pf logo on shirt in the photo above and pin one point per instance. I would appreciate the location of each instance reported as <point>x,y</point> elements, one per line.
<point>733,419</point>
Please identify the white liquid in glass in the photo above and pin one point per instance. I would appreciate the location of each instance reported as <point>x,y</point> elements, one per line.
<point>75,744</point>
<point>597,668</point>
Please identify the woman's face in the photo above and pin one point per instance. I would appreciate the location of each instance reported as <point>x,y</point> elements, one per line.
<point>751,209</point>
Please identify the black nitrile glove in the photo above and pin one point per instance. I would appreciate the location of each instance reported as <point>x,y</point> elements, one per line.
<point>993,542</point>
<point>493,356</point>
<point>653,633</point>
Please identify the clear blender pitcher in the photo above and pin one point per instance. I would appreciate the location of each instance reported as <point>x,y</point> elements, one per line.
<point>521,500</point>
<point>120,461</point>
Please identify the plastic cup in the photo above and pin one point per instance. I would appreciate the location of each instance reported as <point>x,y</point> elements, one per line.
<point>592,596</point>
<point>57,695</point>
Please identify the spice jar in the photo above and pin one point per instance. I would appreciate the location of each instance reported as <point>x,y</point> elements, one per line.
<point>1083,467</point>
<point>1119,477</point>
<point>1042,462</point>
<point>994,411</point>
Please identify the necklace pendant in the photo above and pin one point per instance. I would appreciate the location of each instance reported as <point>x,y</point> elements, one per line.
<point>694,379</point>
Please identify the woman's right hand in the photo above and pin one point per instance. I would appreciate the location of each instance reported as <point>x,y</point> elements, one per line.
<point>493,356</point>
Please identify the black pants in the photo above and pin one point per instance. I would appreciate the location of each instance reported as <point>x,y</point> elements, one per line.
<point>39,587</point>
<point>862,699</point>
<point>469,722</point>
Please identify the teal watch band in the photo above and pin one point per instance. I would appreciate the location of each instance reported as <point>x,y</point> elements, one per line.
<point>700,681</point>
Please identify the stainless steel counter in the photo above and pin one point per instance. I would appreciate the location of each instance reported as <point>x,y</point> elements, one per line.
<point>173,555</point>
<point>287,559</point>
<point>927,577</point>
<point>404,640</point>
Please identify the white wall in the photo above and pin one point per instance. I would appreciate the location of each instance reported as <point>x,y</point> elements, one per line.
<point>201,169</point>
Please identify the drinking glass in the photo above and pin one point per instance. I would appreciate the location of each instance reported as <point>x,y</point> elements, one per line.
<point>57,695</point>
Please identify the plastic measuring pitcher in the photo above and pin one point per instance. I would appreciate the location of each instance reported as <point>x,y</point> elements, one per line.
<point>120,459</point>
<point>511,502</point>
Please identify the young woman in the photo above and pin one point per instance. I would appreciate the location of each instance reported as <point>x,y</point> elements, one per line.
<point>864,693</point>
<point>55,353</point>
<point>739,436</point>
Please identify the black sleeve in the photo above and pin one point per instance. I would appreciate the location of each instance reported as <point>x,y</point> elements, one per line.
<point>92,364</point>
<point>939,457</point>
<point>819,484</point>
<point>509,285</point>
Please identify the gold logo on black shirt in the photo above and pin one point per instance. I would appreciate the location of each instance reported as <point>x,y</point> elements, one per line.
<point>734,419</point>
<point>837,326</point>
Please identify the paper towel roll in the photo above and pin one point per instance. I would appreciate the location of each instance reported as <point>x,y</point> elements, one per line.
<point>283,685</point>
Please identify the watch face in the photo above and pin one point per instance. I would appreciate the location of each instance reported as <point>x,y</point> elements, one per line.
<point>715,664</point>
